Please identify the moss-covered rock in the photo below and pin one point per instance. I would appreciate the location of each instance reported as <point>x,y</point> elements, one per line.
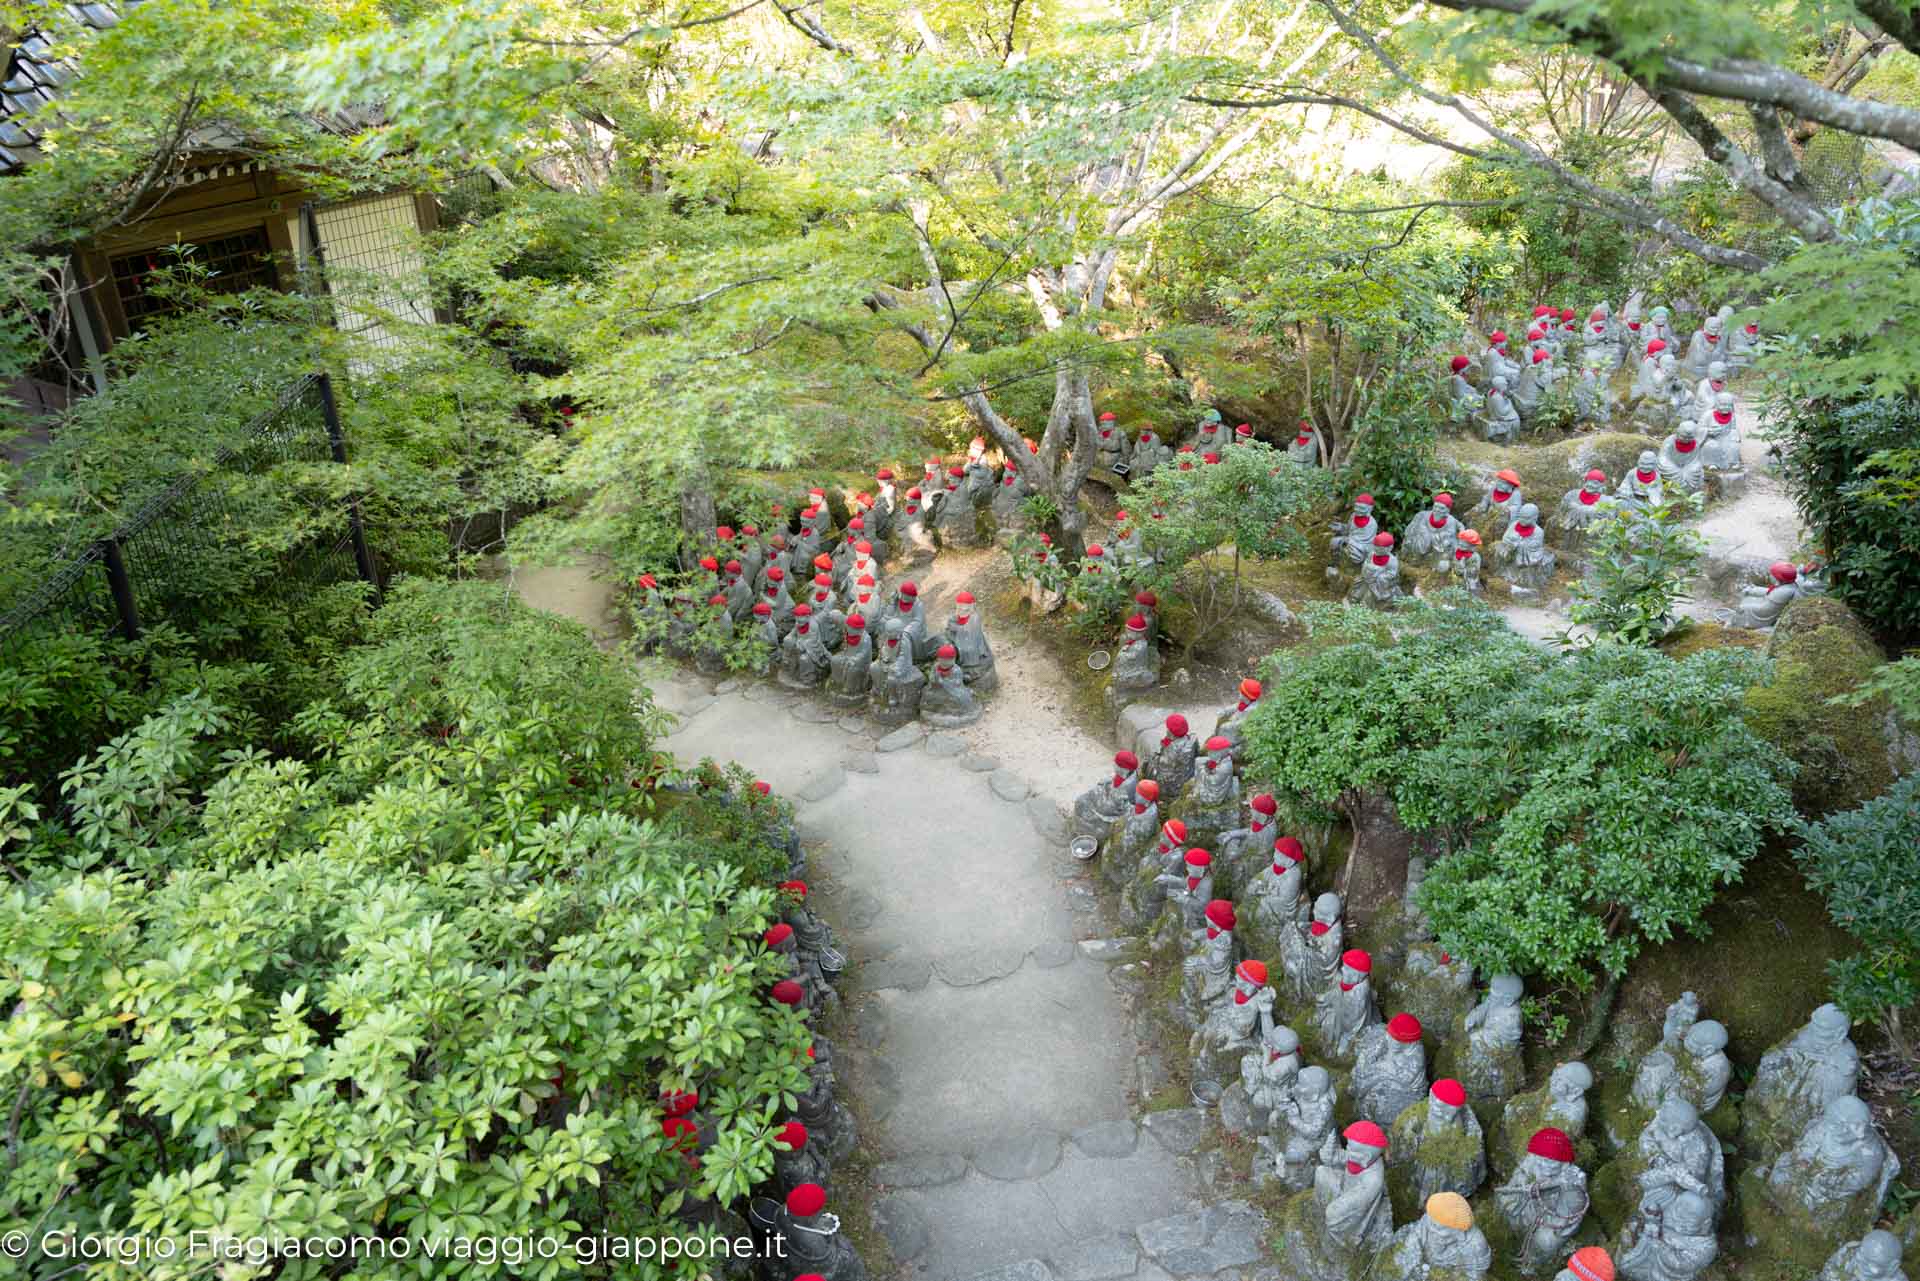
<point>1523,1117</point>
<point>1819,650</point>
<point>1701,636</point>
<point>1435,988</point>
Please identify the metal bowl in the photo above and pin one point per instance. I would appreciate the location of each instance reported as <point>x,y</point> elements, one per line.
<point>1084,847</point>
<point>1206,1094</point>
<point>1099,660</point>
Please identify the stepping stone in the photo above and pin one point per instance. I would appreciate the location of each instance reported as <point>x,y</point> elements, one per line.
<point>1179,1131</point>
<point>907,972</point>
<point>860,763</point>
<point>694,706</point>
<point>1135,719</point>
<point>945,745</point>
<point>929,1171</point>
<point>820,788</point>
<point>1106,949</point>
<point>1009,786</point>
<point>1228,1235</point>
<point>1052,955</point>
<point>1108,1139</point>
<point>978,965</point>
<point>729,685</point>
<point>1048,819</point>
<point>903,1225</point>
<point>974,763</point>
<point>1026,1157</point>
<point>904,737</point>
<point>1097,1259</point>
<point>1025,1270</point>
<point>814,714</point>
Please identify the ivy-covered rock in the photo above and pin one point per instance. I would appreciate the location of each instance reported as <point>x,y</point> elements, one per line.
<point>1820,650</point>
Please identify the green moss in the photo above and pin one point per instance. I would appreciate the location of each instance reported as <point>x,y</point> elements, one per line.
<point>1704,636</point>
<point>1615,1193</point>
<point>1820,650</point>
<point>1781,1232</point>
<point>1455,1155</point>
<point>1547,471</point>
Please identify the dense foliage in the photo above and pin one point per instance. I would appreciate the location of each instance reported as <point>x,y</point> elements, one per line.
<point>1591,803</point>
<point>1640,563</point>
<point>1866,862</point>
<point>428,980</point>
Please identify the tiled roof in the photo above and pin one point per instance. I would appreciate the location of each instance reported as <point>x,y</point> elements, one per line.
<point>33,79</point>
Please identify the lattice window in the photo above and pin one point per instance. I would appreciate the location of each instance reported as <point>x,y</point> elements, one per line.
<point>235,262</point>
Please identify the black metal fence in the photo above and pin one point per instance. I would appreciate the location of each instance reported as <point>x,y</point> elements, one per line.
<point>152,567</point>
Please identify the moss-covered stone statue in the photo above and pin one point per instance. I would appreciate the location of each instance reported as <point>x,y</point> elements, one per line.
<point>1443,1244</point>
<point>1543,1204</point>
<point>1797,1080</point>
<point>1560,1104</point>
<point>1824,1190</point>
<point>1490,1063</point>
<point>1336,1230</point>
<point>1874,1257</point>
<point>1437,1147</point>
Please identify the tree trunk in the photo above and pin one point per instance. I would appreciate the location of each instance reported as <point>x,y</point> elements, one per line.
<point>697,517</point>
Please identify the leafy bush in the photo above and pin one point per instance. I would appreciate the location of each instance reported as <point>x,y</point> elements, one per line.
<point>1866,862</point>
<point>1396,450</point>
<point>431,982</point>
<point>1591,802</point>
<point>1835,459</point>
<point>1639,565</point>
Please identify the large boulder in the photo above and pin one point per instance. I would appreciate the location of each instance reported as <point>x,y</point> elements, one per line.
<point>1847,755</point>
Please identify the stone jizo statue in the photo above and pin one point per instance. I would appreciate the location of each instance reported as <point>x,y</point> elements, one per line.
<point>1679,1020</point>
<point>1142,822</point>
<point>1545,1200</point>
<point>1354,1192</point>
<point>1798,1079</point>
<point>1697,1070</point>
<point>1677,1245</point>
<point>1345,1008</point>
<point>815,1244</point>
<point>1706,346</point>
<point>1171,764</point>
<point>1708,389</point>
<point>1233,1027</point>
<point>948,702</point>
<point>1523,554</point>
<point>1107,801</point>
<point>1679,1155</point>
<point>1275,892</point>
<point>1721,449</point>
<point>1680,463</point>
<point>1430,536</point>
<point>1269,1072</point>
<point>969,640</point>
<point>1207,972</point>
<point>1742,342</point>
<point>849,683</point>
<point>1462,396</point>
<point>805,659</point>
<point>1111,443</point>
<point>1311,955</point>
<point>1137,666</point>
<point>1440,1140</point>
<point>898,683</point>
<point>1304,449</point>
<point>1502,499</point>
<point>1443,1242</point>
<point>1642,488</point>
<point>1499,419</point>
<point>1389,1069</point>
<point>1246,851</point>
<point>1839,1171</point>
<point>1490,1065</point>
<point>1353,540</point>
<point>1581,506</point>
<point>1874,1257</point>
<point>1379,582</point>
<point>1465,565</point>
<point>1302,1131</point>
<point>1497,359</point>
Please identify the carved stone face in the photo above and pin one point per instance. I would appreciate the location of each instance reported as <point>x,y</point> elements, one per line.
<point>1713,326</point>
<point>1686,431</point>
<point>1528,514</point>
<point>1675,1118</point>
<point>1723,402</point>
<point>1705,1038</point>
<point>1326,908</point>
<point>1717,371</point>
<point>1647,460</point>
<point>1847,1118</point>
<point>1878,1258</point>
<point>1500,383</point>
<point>1570,1081</point>
<point>1690,1215</point>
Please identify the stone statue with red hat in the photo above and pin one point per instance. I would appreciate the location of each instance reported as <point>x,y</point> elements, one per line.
<point>1443,1244</point>
<point>864,598</point>
<point>1245,851</point>
<point>1496,359</point>
<point>957,523</point>
<point>1379,582</point>
<point>1108,801</point>
<point>1543,1204</point>
<point>813,938</point>
<point>714,630</point>
<point>907,607</point>
<point>1149,452</point>
<point>739,591</point>
<point>1464,567</point>
<point>1274,892</point>
<point>1111,447</point>
<point>849,679</point>
<point>1162,866</point>
<point>766,638</point>
<point>1525,560</point>
<point>1137,666</point>
<point>1430,534</point>
<point>1352,538</point>
<point>1760,608</point>
<point>1140,826</point>
<point>795,1161</point>
<point>1171,764</point>
<point>1209,433</point>
<point>1462,396</point>
<point>1212,801</point>
<point>1352,1192</point>
<point>1009,496</point>
<point>1303,447</point>
<point>1344,1008</point>
<point>805,661</point>
<point>1581,506</point>
<point>912,532</point>
<point>1648,385</point>
<point>1389,1069</point>
<point>898,683</point>
<point>1129,547</point>
<point>829,620</point>
<point>886,502</point>
<point>1189,887</point>
<point>1641,487</point>
<point>1438,1145</point>
<point>1208,969</point>
<point>1310,955</point>
<point>978,485</point>
<point>1588,1263</point>
<point>947,702</point>
<point>830,1127</point>
<point>1709,343</point>
<point>1231,720</point>
<point>968,637</point>
<point>1299,1129</point>
<point>1681,468</point>
<point>1560,1104</point>
<point>815,1245</point>
<point>1498,505</point>
<point>1234,1025</point>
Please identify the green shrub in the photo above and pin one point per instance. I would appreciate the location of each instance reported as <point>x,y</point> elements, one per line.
<point>430,982</point>
<point>1866,862</point>
<point>1640,563</point>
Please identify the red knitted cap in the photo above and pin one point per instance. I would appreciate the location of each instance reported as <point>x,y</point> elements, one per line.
<point>1220,912</point>
<point>1291,847</point>
<point>1355,959</point>
<point>1252,971</point>
<point>1589,1263</point>
<point>1199,857</point>
<point>1365,1133</point>
<point>807,1199</point>
<point>1148,790</point>
<point>1250,688</point>
<point>1265,804</point>
<point>794,1135</point>
<point>1126,760</point>
<point>1459,363</point>
<point>1552,1144</point>
<point>1177,725</point>
<point>1404,1028</point>
<point>1450,1092</point>
<point>787,992</point>
<point>779,934</point>
<point>1219,743</point>
<point>1175,830</point>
